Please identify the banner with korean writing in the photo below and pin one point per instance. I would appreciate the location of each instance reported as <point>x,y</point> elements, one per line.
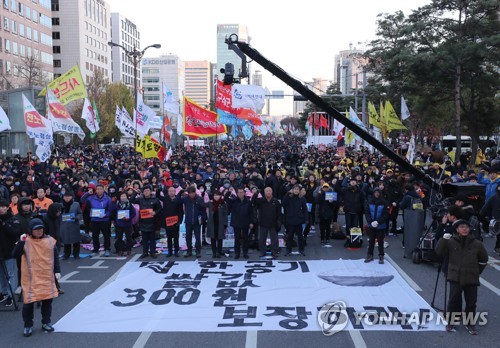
<point>68,87</point>
<point>61,119</point>
<point>39,129</point>
<point>149,147</point>
<point>284,295</point>
<point>199,121</point>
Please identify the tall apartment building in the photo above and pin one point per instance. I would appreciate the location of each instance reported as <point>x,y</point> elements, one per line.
<point>224,55</point>
<point>348,69</point>
<point>168,69</point>
<point>25,43</point>
<point>198,82</point>
<point>81,31</point>
<point>124,32</point>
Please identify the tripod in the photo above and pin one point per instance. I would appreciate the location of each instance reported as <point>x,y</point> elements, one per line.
<point>435,288</point>
<point>7,279</point>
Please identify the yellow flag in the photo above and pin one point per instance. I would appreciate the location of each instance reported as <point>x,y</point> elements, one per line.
<point>374,117</point>
<point>68,87</point>
<point>349,139</point>
<point>147,147</point>
<point>391,118</point>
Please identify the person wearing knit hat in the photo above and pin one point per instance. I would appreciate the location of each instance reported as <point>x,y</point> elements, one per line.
<point>39,272</point>
<point>467,258</point>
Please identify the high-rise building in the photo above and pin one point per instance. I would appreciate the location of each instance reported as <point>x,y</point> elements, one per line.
<point>81,31</point>
<point>124,32</point>
<point>198,82</point>
<point>225,55</point>
<point>168,69</point>
<point>25,43</point>
<point>257,78</point>
<point>348,69</point>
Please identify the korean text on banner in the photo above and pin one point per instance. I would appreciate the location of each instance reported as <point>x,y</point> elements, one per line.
<point>61,119</point>
<point>39,129</point>
<point>68,87</point>
<point>200,122</point>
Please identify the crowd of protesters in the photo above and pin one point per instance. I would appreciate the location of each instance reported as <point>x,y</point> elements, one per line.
<point>265,185</point>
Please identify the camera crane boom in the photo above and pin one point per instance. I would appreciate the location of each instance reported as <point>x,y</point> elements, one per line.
<point>255,55</point>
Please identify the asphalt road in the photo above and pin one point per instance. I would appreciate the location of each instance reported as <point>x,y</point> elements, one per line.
<point>97,272</point>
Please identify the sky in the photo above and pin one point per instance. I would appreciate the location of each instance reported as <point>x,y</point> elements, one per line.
<point>301,37</point>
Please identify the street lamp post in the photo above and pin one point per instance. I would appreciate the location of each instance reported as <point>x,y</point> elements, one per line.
<point>136,57</point>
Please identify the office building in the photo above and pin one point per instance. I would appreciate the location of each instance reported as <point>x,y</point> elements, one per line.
<point>198,82</point>
<point>124,32</point>
<point>25,43</point>
<point>81,31</point>
<point>224,55</point>
<point>349,69</point>
<point>168,69</point>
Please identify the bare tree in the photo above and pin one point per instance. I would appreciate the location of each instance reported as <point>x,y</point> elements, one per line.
<point>30,70</point>
<point>97,86</point>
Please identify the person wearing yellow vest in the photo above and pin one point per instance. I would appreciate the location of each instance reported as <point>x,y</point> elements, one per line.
<point>39,269</point>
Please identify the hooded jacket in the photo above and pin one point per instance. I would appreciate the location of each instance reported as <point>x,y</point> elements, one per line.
<point>21,219</point>
<point>52,221</point>
<point>8,235</point>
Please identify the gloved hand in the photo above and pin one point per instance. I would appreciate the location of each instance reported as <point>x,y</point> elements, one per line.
<point>58,276</point>
<point>394,204</point>
<point>374,224</point>
<point>23,237</point>
<point>447,235</point>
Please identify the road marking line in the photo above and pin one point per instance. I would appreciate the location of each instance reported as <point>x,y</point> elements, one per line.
<point>403,274</point>
<point>251,339</point>
<point>493,263</point>
<point>114,276</point>
<point>489,286</point>
<point>142,340</point>
<point>357,339</point>
<point>96,265</point>
<point>65,279</point>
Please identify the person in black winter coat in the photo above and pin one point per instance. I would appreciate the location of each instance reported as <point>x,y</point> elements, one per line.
<point>172,215</point>
<point>295,215</point>
<point>8,239</point>
<point>353,200</point>
<point>195,213</point>
<point>240,208</point>
<point>149,209</point>
<point>394,196</point>
<point>123,224</point>
<point>327,206</point>
<point>377,215</point>
<point>269,209</point>
<point>52,221</point>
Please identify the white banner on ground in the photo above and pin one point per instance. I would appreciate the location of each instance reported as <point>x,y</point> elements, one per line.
<point>286,295</point>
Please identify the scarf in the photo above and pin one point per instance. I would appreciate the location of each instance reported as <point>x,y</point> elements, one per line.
<point>67,206</point>
<point>218,203</point>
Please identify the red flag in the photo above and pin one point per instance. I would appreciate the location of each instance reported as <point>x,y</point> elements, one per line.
<point>323,122</point>
<point>166,130</point>
<point>249,115</point>
<point>224,98</point>
<point>199,121</point>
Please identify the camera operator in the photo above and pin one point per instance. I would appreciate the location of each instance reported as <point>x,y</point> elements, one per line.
<point>467,259</point>
<point>446,226</point>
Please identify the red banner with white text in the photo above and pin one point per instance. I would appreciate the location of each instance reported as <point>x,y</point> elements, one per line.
<point>199,121</point>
